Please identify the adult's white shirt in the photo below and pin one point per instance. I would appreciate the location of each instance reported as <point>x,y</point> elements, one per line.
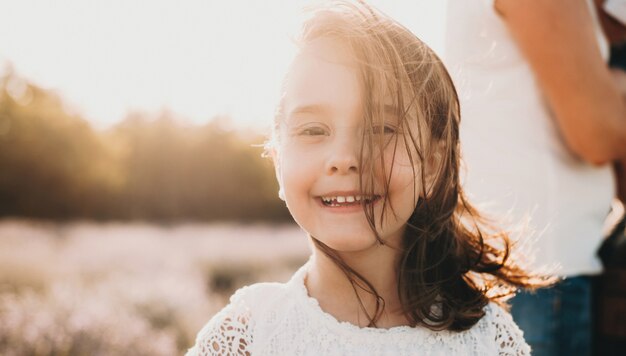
<point>517,164</point>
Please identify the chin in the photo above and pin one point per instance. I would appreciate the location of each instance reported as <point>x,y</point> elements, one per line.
<point>349,243</point>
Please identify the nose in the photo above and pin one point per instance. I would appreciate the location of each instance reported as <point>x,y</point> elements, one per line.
<point>344,156</point>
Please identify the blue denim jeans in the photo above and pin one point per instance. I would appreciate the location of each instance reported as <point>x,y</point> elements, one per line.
<point>557,320</point>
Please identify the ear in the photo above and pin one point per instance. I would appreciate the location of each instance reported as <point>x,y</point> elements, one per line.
<point>273,154</point>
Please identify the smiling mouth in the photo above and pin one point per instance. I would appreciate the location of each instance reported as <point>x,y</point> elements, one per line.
<point>349,200</point>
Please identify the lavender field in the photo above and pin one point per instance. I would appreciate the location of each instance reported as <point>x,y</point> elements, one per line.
<point>128,289</point>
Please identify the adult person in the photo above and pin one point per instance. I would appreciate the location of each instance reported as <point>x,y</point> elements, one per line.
<point>609,289</point>
<point>534,73</point>
<point>612,15</point>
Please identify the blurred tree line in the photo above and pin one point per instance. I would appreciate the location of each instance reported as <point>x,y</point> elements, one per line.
<point>54,165</point>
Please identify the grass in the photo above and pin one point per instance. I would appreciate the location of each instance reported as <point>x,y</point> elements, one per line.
<point>140,289</point>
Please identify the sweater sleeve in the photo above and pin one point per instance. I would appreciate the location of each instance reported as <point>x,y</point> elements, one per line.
<point>227,333</point>
<point>509,338</point>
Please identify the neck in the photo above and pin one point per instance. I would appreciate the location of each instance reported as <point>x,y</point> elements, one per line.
<point>327,283</point>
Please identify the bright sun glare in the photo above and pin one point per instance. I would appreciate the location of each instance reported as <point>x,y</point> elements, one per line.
<point>196,58</point>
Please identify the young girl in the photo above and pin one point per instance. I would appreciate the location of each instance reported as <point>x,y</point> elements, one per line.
<point>366,152</point>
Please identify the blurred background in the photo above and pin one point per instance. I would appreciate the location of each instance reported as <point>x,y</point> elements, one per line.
<point>133,196</point>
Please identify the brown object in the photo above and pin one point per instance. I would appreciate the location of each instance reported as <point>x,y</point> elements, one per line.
<point>610,295</point>
<point>619,168</point>
<point>613,29</point>
<point>612,304</point>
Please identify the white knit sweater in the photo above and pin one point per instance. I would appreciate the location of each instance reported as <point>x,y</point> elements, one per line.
<point>281,319</point>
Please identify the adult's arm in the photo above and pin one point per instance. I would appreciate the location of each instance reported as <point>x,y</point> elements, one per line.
<point>558,39</point>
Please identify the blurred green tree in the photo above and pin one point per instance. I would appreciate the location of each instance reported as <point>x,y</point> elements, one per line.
<point>53,165</point>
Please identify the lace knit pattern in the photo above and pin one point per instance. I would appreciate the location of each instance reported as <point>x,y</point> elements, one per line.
<point>281,319</point>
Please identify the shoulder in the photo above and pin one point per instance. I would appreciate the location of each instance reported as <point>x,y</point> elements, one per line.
<point>498,323</point>
<point>232,329</point>
<point>257,293</point>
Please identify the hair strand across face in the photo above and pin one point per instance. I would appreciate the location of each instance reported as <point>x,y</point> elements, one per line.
<point>452,261</point>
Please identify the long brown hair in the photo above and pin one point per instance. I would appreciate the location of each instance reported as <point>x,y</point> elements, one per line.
<point>453,260</point>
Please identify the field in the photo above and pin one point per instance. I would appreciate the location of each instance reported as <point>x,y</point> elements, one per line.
<point>122,289</point>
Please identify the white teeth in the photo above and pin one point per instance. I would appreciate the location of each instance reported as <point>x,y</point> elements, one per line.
<point>345,199</point>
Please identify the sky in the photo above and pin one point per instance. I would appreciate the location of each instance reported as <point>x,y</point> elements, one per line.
<point>196,58</point>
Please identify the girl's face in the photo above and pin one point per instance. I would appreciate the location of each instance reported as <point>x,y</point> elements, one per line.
<point>317,162</point>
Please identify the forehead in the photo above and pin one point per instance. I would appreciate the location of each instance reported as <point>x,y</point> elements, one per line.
<point>323,76</point>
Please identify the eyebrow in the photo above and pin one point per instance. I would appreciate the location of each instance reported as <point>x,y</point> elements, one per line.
<point>310,109</point>
<point>325,109</point>
<point>390,109</point>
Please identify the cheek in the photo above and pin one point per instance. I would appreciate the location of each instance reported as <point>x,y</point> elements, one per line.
<point>402,167</point>
<point>405,181</point>
<point>297,170</point>
<point>403,185</point>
